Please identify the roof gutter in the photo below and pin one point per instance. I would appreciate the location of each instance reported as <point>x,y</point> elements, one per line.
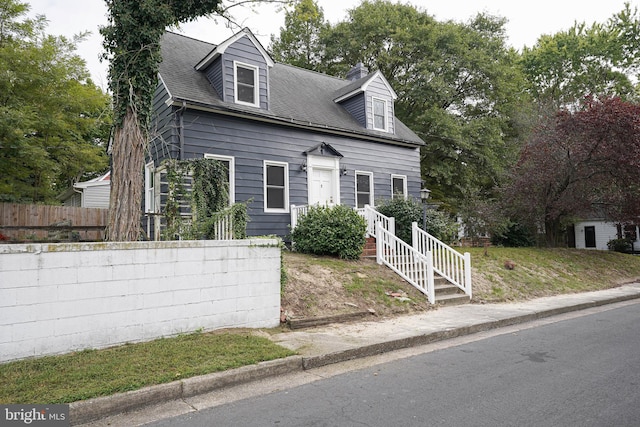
<point>291,123</point>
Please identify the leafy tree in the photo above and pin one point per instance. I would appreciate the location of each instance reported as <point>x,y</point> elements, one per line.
<point>54,122</point>
<point>456,85</point>
<point>625,27</point>
<point>598,60</point>
<point>132,44</point>
<point>300,41</point>
<point>11,28</point>
<point>577,163</point>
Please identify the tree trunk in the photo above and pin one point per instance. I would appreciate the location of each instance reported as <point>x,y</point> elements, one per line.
<point>553,233</point>
<point>127,173</point>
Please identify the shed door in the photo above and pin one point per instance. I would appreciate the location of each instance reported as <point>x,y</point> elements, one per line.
<point>323,187</point>
<point>590,236</point>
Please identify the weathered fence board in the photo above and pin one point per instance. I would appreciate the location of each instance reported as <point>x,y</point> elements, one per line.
<point>20,222</point>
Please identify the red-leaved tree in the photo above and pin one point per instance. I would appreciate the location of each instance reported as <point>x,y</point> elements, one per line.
<point>577,164</point>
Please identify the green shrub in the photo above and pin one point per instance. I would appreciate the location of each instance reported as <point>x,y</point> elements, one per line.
<point>514,235</point>
<point>619,245</point>
<point>337,230</point>
<point>406,211</point>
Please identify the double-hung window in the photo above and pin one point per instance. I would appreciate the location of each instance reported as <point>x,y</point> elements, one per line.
<point>379,114</point>
<point>246,87</point>
<point>149,188</point>
<point>276,186</point>
<point>399,186</point>
<point>364,189</point>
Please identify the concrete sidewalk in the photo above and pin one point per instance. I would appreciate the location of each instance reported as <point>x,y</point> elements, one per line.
<point>341,342</point>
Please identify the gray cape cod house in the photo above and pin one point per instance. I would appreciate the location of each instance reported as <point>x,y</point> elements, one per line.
<point>287,135</point>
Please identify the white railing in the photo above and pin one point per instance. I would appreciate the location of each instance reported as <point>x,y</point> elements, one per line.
<point>223,228</point>
<point>372,217</point>
<point>297,212</point>
<point>416,268</point>
<point>415,263</point>
<point>447,262</point>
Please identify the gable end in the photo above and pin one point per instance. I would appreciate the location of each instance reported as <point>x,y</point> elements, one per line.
<point>240,74</point>
<point>370,101</point>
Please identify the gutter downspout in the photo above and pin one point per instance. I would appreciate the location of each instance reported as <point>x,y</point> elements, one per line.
<point>81,193</point>
<point>180,113</point>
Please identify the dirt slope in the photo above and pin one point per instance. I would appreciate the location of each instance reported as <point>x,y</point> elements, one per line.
<point>324,286</point>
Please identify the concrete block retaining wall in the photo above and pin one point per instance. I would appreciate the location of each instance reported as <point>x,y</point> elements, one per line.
<point>57,298</point>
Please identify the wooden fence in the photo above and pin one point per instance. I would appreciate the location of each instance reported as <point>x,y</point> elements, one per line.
<point>20,223</point>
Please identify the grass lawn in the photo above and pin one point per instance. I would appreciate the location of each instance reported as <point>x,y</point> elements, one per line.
<point>543,272</point>
<point>92,373</point>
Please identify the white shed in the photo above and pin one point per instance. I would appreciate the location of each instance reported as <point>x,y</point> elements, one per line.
<point>89,194</point>
<point>596,234</point>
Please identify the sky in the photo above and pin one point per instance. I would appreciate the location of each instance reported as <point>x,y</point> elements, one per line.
<point>526,20</point>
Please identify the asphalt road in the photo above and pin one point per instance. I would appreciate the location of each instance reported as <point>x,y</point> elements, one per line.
<point>579,372</point>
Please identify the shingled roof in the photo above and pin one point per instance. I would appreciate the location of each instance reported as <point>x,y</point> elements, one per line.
<point>297,96</point>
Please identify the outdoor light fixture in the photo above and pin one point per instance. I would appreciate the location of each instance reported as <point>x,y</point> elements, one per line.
<point>344,170</point>
<point>424,196</point>
<point>303,166</point>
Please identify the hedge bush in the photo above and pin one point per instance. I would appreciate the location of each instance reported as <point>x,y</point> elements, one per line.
<point>513,235</point>
<point>619,245</point>
<point>336,230</point>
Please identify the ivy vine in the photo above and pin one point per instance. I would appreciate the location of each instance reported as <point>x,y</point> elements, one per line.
<point>198,198</point>
<point>132,47</point>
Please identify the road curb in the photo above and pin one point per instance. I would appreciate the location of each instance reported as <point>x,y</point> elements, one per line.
<point>94,409</point>
<point>86,411</point>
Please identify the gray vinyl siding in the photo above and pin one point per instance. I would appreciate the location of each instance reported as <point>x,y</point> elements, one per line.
<point>164,144</point>
<point>378,89</point>
<point>96,196</point>
<point>250,143</point>
<point>356,107</point>
<point>74,200</point>
<point>164,141</point>
<point>243,50</point>
<point>214,75</point>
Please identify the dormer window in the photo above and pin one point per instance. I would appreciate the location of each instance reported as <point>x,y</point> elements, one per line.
<point>379,114</point>
<point>246,84</point>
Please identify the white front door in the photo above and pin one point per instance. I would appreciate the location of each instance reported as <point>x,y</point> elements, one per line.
<point>323,180</point>
<point>322,187</point>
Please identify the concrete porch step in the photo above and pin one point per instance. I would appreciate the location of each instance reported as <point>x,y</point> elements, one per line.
<point>448,294</point>
<point>445,289</point>
<point>452,299</point>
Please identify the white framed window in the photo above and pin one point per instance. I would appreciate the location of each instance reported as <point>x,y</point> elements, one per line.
<point>364,189</point>
<point>246,84</point>
<point>229,163</point>
<point>398,186</point>
<point>276,186</point>
<point>149,188</point>
<point>379,109</point>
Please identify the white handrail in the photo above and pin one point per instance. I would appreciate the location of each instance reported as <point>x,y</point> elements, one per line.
<point>297,212</point>
<point>372,217</point>
<point>413,266</point>
<point>447,262</point>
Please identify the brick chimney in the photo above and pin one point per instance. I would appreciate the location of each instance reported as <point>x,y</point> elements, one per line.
<point>357,72</point>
